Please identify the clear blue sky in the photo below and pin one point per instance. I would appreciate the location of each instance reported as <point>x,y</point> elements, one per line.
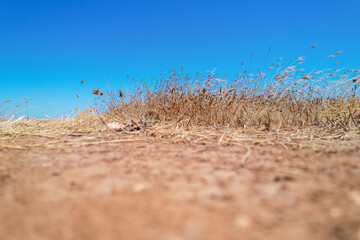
<point>46,47</point>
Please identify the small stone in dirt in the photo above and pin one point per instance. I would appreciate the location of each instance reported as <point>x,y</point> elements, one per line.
<point>119,127</point>
<point>112,126</point>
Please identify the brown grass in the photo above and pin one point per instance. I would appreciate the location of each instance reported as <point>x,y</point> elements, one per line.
<point>282,102</point>
<point>323,102</point>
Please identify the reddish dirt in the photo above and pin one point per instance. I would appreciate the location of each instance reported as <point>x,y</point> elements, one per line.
<point>163,190</point>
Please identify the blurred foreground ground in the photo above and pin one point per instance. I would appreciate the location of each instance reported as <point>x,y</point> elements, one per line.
<point>114,188</point>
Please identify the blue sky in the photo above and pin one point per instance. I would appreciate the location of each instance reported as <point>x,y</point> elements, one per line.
<point>46,47</point>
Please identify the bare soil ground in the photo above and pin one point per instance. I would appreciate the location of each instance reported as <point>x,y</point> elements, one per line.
<point>109,186</point>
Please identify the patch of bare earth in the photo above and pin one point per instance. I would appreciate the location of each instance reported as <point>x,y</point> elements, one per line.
<point>153,189</point>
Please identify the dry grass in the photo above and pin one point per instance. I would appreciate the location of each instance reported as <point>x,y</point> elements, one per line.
<point>282,103</point>
<point>284,100</point>
<point>84,122</point>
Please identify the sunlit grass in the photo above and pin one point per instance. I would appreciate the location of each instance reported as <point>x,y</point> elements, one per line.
<point>276,99</point>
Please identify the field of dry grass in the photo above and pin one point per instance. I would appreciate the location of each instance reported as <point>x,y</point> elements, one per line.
<point>279,99</point>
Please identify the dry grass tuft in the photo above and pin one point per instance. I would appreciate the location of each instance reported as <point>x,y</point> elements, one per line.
<point>321,103</point>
